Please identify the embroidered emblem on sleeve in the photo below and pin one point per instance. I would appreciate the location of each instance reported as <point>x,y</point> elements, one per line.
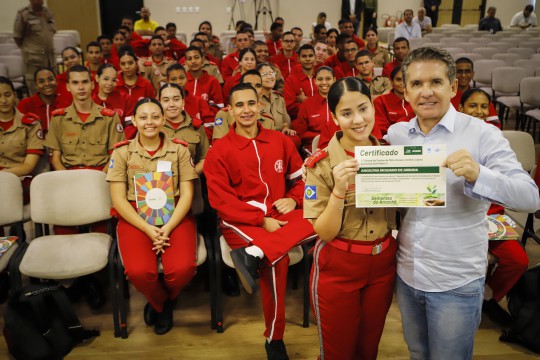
<point>310,192</point>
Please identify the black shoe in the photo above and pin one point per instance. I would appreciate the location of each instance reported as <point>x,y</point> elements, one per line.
<point>93,292</point>
<point>150,315</point>
<point>164,319</point>
<point>496,313</point>
<point>275,350</point>
<point>247,268</point>
<point>230,283</point>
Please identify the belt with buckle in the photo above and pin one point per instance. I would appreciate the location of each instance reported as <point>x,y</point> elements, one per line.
<point>362,247</point>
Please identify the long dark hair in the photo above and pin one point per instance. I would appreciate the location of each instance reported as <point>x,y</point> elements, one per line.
<point>342,86</point>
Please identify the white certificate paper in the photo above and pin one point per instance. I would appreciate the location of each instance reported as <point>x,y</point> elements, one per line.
<point>401,176</point>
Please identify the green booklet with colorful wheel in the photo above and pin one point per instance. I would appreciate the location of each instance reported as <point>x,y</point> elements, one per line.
<point>154,193</point>
<point>5,243</point>
<point>501,227</point>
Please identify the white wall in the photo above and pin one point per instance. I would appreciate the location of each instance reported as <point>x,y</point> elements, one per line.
<point>8,10</point>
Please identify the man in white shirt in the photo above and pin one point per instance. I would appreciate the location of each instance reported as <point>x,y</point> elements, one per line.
<point>525,18</point>
<point>408,29</point>
<point>423,20</point>
<point>442,252</point>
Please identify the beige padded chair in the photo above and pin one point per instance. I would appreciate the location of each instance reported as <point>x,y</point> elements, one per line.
<point>531,65</point>
<point>68,198</point>
<point>530,95</point>
<point>505,85</point>
<point>482,72</point>
<point>487,52</point>
<point>507,58</point>
<point>525,53</point>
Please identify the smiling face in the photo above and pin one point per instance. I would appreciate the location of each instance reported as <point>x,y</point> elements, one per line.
<point>255,81</point>
<point>397,83</point>
<point>348,28</point>
<point>107,80</point>
<point>428,89</point>
<point>46,83</point>
<point>465,74</point>
<point>148,120</point>
<point>268,76</point>
<point>262,53</point>
<point>476,105</point>
<point>245,108</point>
<point>70,58</point>
<point>119,40</point>
<point>247,62</point>
<point>324,79</point>
<point>172,102</point>
<point>355,116</point>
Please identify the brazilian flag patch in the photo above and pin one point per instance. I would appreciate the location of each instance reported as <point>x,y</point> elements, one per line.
<point>310,192</point>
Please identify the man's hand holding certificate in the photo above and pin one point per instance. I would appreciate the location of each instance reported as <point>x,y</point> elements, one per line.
<point>401,176</point>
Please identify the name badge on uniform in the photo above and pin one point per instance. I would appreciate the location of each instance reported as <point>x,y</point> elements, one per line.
<point>163,166</point>
<point>310,192</point>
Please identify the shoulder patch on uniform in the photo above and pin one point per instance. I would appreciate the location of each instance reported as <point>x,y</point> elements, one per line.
<point>315,158</point>
<point>181,142</point>
<point>121,143</point>
<point>60,111</point>
<point>218,121</point>
<point>196,122</point>
<point>107,112</point>
<point>119,128</point>
<point>147,63</point>
<point>310,192</point>
<point>29,118</point>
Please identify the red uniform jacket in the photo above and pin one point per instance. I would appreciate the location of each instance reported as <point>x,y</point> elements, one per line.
<point>142,88</point>
<point>312,117</point>
<point>140,46</point>
<point>207,87</point>
<point>360,42</point>
<point>387,69</point>
<point>492,118</point>
<point>228,65</point>
<point>390,109</point>
<point>293,84</point>
<point>243,192</point>
<point>285,64</point>
<point>344,69</point>
<point>333,61</point>
<point>197,108</point>
<point>176,49</point>
<point>273,47</point>
<point>61,88</point>
<point>229,84</point>
<point>35,105</point>
<point>118,101</point>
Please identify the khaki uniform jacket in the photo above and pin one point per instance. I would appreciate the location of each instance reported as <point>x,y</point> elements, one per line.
<point>162,66</point>
<point>381,57</point>
<point>224,121</point>
<point>130,158</point>
<point>196,138</point>
<point>150,72</point>
<point>275,106</point>
<point>88,143</point>
<point>37,32</point>
<point>378,85</point>
<point>365,224</point>
<point>21,137</point>
<point>211,69</point>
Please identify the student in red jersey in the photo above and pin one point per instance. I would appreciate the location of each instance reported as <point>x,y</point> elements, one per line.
<point>139,44</point>
<point>215,45</point>
<point>108,55</point>
<point>274,42</point>
<point>339,56</point>
<point>246,61</point>
<point>128,22</point>
<point>70,58</point>
<point>210,66</point>
<point>348,28</point>
<point>119,40</point>
<point>465,74</point>
<point>130,83</point>
<point>354,259</point>
<point>314,112</point>
<point>300,84</point>
<point>321,51</point>
<point>45,100</point>
<point>200,83</point>
<point>140,243</point>
<point>298,36</point>
<point>156,50</point>
<point>348,67</point>
<point>286,59</point>
<point>392,107</point>
<point>179,125</point>
<point>174,48</point>
<point>331,37</point>
<point>230,62</point>
<point>260,216</point>
<point>194,105</point>
<point>207,45</point>
<point>512,260</point>
<point>94,58</point>
<point>401,50</point>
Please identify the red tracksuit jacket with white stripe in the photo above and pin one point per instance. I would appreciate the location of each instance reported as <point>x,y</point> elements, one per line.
<point>246,176</point>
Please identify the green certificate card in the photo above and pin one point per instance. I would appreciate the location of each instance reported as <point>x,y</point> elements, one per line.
<point>401,176</point>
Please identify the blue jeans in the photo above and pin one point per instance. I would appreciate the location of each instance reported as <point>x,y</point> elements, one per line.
<point>440,325</point>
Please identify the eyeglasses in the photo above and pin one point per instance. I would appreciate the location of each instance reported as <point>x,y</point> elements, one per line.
<point>270,73</point>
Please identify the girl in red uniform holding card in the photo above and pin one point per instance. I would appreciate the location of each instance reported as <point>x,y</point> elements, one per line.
<point>141,243</point>
<point>354,259</point>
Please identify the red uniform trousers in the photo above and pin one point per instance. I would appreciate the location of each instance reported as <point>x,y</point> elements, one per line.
<point>273,271</point>
<point>350,295</point>
<point>141,262</point>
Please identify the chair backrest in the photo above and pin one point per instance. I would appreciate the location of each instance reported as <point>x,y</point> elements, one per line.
<point>537,72</point>
<point>483,69</point>
<point>507,58</point>
<point>391,37</point>
<point>11,193</point>
<point>69,39</point>
<point>499,45</point>
<point>468,46</point>
<point>522,144</point>
<point>454,50</point>
<point>487,52</point>
<point>530,44</point>
<point>3,70</point>
<point>70,197</point>
<point>59,44</point>
<point>416,43</point>
<point>14,64</point>
<point>471,56</point>
<point>510,41</point>
<point>528,91</point>
<point>506,79</point>
<point>534,57</point>
<point>527,64</point>
<point>480,40</point>
<point>523,52</point>
<point>5,49</point>
<point>434,44</point>
<point>74,33</point>
<point>434,37</point>
<point>182,37</point>
<point>451,41</point>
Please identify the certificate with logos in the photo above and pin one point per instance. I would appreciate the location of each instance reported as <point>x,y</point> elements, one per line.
<point>401,176</point>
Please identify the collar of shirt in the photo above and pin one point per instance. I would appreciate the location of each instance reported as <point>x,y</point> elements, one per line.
<point>183,124</point>
<point>447,122</point>
<point>135,147</point>
<point>71,113</point>
<point>241,142</point>
<point>17,122</point>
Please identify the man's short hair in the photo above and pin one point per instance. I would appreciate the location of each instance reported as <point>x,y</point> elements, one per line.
<point>305,47</point>
<point>341,38</point>
<point>317,29</point>
<point>430,54</point>
<point>401,39</point>
<point>174,67</point>
<point>104,37</point>
<point>159,28</point>
<point>275,26</point>
<point>287,33</point>
<point>78,69</point>
<point>258,43</point>
<point>93,44</point>
<point>200,33</point>
<point>241,87</point>
<point>465,60</point>
<point>297,28</point>
<point>170,25</point>
<point>394,72</point>
<point>247,73</point>
<point>194,48</point>
<point>529,8</point>
<point>362,53</point>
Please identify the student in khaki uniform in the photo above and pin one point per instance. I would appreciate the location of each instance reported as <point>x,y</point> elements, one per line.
<point>83,134</point>
<point>179,125</point>
<point>139,242</point>
<point>224,118</point>
<point>215,47</point>
<point>33,32</point>
<point>156,49</point>
<point>378,85</point>
<point>354,268</point>
<point>380,55</point>
<point>21,136</point>
<point>271,101</point>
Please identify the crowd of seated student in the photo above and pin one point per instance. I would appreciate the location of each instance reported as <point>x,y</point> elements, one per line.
<point>193,84</point>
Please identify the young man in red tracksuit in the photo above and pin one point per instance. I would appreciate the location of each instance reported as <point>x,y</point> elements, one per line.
<point>401,50</point>
<point>274,43</point>
<point>300,85</point>
<point>230,62</point>
<point>286,58</point>
<point>348,67</point>
<point>261,216</point>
